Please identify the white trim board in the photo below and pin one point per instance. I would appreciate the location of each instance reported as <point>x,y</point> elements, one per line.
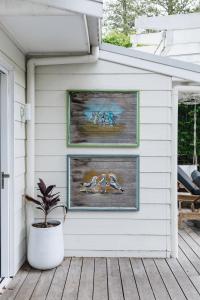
<point>88,7</point>
<point>172,22</point>
<point>7,207</point>
<point>150,62</point>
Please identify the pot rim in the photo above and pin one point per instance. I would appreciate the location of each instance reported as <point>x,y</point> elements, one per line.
<point>56,222</point>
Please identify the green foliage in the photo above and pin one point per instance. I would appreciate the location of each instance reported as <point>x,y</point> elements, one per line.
<point>172,7</point>
<point>119,15</point>
<point>186,132</point>
<point>118,38</point>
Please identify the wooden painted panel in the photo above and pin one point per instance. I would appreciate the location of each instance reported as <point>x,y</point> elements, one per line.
<point>19,190</point>
<point>115,242</point>
<point>19,148</point>
<point>155,180</point>
<point>155,164</point>
<point>58,164</point>
<point>20,77</point>
<point>107,253</point>
<point>19,166</point>
<point>147,98</point>
<point>149,115</point>
<point>156,98</point>
<point>121,226</point>
<point>100,67</point>
<point>102,119</point>
<point>155,196</point>
<point>19,112</point>
<point>147,195</point>
<point>20,254</point>
<point>159,132</point>
<point>19,228</point>
<point>19,93</point>
<point>50,115</point>
<point>50,98</point>
<point>106,82</point>
<point>19,130</point>
<point>11,51</point>
<point>155,115</point>
<point>146,212</point>
<point>52,131</point>
<point>103,182</point>
<point>147,148</point>
<point>155,152</point>
<point>147,180</point>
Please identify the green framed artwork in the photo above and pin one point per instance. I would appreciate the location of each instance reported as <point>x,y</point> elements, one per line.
<point>103,182</point>
<point>102,118</point>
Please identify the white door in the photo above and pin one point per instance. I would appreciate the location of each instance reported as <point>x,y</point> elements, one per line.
<point>4,178</point>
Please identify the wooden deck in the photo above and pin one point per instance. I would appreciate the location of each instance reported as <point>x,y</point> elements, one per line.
<point>116,278</point>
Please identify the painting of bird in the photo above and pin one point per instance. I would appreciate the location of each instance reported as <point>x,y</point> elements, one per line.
<point>103,183</point>
<point>90,186</point>
<point>114,184</point>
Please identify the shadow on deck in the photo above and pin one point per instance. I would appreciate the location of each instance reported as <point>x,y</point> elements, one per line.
<point>116,279</point>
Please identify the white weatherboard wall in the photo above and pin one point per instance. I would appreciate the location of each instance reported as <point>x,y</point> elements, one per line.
<point>146,232</point>
<point>10,54</point>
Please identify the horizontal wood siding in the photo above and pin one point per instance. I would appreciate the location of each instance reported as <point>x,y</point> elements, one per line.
<point>143,233</point>
<point>13,56</point>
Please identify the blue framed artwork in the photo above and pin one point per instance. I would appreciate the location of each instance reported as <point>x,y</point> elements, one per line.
<point>103,182</point>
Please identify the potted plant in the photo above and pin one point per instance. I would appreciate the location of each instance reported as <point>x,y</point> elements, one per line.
<point>45,243</point>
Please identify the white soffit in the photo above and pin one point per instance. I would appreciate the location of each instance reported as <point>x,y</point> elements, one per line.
<point>48,34</point>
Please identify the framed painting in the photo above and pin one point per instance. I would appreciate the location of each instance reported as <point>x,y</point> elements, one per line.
<point>102,118</point>
<point>103,182</point>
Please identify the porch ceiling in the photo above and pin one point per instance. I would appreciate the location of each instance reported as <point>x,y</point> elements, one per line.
<point>41,29</point>
<point>48,33</point>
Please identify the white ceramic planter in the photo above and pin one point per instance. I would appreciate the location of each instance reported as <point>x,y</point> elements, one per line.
<point>46,246</point>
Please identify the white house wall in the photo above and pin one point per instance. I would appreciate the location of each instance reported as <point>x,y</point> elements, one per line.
<point>10,53</point>
<point>147,232</point>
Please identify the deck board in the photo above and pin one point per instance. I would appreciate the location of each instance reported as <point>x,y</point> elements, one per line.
<point>100,279</point>
<point>57,285</point>
<point>115,290</point>
<point>73,279</point>
<point>115,278</point>
<point>128,280</point>
<point>155,279</point>
<point>43,285</point>
<point>169,279</point>
<point>86,281</point>
<point>143,284</point>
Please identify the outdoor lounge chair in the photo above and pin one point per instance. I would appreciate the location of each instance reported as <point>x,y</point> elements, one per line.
<point>191,197</point>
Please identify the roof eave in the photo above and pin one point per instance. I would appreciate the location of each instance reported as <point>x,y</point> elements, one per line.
<point>150,62</point>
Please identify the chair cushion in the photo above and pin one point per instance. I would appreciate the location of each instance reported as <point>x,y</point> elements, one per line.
<point>187,182</point>
<point>196,177</point>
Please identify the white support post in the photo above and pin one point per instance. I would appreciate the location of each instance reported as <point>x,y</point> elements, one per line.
<point>174,156</point>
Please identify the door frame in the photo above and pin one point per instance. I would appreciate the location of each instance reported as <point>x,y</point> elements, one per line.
<point>7,207</point>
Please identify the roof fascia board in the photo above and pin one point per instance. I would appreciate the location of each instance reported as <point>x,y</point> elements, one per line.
<point>94,30</point>
<point>88,7</point>
<point>26,8</point>
<point>172,22</point>
<point>141,63</point>
<point>150,57</point>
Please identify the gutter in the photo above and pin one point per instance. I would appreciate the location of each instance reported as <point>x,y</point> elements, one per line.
<point>30,145</point>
